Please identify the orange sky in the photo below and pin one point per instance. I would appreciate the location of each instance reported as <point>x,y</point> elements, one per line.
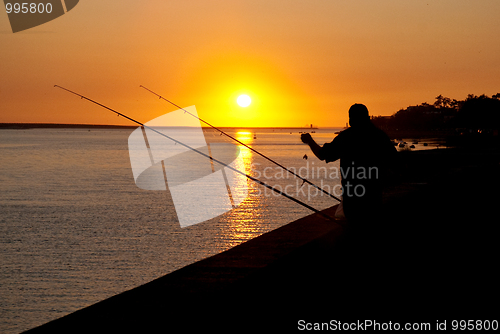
<point>300,61</point>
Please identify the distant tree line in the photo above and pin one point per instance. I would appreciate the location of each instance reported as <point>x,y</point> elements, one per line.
<point>474,114</point>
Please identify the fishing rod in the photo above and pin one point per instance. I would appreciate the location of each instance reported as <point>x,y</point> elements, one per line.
<point>304,180</point>
<point>203,154</point>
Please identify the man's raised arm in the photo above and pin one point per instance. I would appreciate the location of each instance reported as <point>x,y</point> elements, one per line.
<point>315,148</point>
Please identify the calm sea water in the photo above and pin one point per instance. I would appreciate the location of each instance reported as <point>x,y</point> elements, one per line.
<point>75,229</point>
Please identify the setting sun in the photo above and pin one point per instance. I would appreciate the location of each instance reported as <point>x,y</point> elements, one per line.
<point>244,100</point>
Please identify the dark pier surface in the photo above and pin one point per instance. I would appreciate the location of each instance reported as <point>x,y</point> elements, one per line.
<point>432,254</point>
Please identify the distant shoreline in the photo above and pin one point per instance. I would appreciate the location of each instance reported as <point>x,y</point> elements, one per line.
<point>419,134</point>
<point>393,134</point>
<point>104,126</point>
<point>61,126</point>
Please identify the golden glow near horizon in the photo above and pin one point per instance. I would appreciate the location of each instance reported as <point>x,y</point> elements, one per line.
<point>300,62</point>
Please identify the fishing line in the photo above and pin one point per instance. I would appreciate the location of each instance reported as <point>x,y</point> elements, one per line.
<point>203,154</point>
<point>304,180</point>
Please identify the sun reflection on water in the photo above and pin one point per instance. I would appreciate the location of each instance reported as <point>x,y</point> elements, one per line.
<point>242,223</point>
<point>247,155</point>
<point>245,137</point>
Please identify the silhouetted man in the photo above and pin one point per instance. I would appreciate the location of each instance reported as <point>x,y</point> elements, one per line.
<point>364,152</point>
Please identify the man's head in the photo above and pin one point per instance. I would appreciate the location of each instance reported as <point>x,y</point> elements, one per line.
<point>358,115</point>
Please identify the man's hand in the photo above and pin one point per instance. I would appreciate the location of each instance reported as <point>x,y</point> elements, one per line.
<point>315,148</point>
<point>306,138</point>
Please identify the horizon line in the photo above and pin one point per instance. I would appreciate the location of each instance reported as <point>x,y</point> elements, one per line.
<point>75,125</point>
